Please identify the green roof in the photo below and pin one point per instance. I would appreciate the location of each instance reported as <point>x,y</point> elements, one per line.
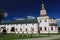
<point>53,24</point>
<point>46,15</point>
<point>20,22</point>
<point>42,15</point>
<point>51,18</point>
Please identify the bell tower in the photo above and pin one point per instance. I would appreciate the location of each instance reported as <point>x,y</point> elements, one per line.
<point>43,10</point>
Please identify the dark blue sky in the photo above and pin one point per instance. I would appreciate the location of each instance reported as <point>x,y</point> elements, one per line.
<point>23,8</point>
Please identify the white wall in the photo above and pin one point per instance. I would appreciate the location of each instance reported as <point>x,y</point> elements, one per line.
<point>23,26</point>
<point>46,24</point>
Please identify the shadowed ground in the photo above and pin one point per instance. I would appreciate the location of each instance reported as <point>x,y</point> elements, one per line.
<point>45,38</point>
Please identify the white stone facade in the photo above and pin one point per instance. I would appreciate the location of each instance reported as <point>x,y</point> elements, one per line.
<point>44,24</point>
<point>25,28</point>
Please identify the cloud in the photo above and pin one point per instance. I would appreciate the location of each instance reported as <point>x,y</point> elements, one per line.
<point>5,15</point>
<point>5,20</point>
<point>30,17</point>
<point>58,21</point>
<point>19,18</point>
<point>2,21</point>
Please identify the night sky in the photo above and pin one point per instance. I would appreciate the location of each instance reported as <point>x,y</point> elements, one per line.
<point>24,8</point>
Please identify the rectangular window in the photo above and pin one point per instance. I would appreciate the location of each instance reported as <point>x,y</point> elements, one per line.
<point>51,28</point>
<point>26,29</point>
<point>32,29</point>
<point>40,28</point>
<point>45,28</point>
<point>20,29</point>
<point>40,20</point>
<point>45,20</point>
<point>51,21</point>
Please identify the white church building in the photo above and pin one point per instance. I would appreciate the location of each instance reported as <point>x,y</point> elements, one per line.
<point>43,24</point>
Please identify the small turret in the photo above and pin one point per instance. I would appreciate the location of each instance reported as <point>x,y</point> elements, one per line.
<point>43,7</point>
<point>43,11</point>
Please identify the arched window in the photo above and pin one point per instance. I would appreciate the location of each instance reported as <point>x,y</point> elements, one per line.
<point>45,20</point>
<point>51,28</point>
<point>40,28</point>
<point>45,28</point>
<point>26,29</point>
<point>32,29</point>
<point>12,29</point>
<point>20,29</point>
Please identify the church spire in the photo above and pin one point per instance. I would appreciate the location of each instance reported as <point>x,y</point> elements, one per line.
<point>43,7</point>
<point>43,11</point>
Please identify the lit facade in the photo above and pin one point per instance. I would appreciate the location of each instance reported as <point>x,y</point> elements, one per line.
<point>43,24</point>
